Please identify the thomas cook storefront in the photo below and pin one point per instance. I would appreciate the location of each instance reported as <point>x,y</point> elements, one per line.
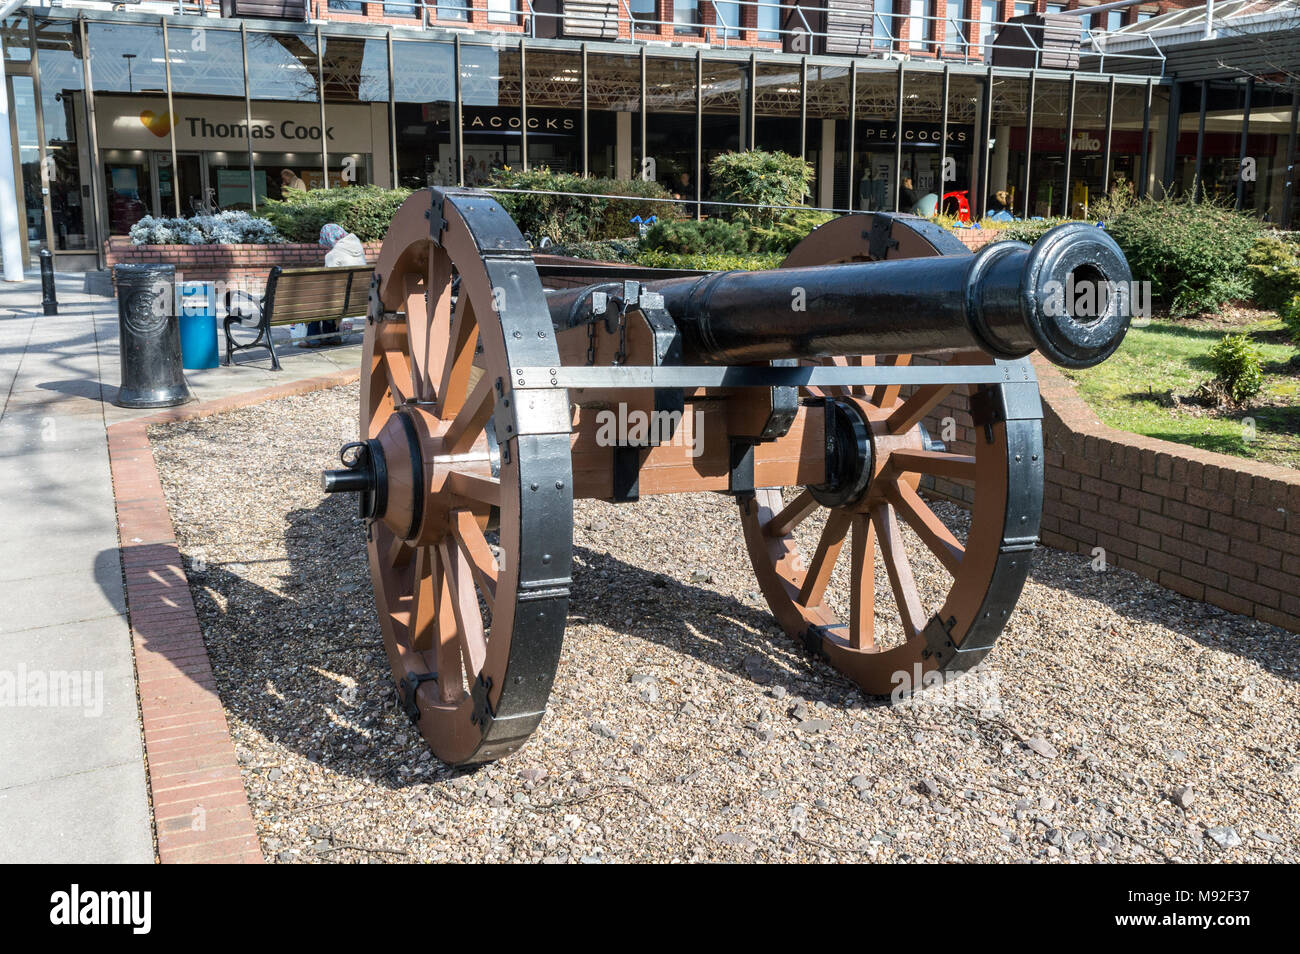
<point>117,115</point>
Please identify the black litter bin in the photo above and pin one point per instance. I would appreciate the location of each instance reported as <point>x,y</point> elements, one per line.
<point>149,337</point>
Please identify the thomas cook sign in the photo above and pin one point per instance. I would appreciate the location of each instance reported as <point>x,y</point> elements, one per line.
<point>141,123</point>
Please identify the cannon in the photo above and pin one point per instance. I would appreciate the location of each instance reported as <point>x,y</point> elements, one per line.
<point>489,403</point>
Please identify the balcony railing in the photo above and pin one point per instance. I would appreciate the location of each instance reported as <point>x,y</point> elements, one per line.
<point>845,27</point>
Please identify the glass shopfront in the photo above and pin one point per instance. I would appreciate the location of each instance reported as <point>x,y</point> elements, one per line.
<point>186,118</point>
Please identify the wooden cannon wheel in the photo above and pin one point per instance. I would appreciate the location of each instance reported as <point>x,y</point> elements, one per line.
<point>472,617</point>
<point>987,571</point>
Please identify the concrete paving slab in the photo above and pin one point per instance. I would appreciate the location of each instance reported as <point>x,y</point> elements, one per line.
<point>90,817</point>
<point>72,683</point>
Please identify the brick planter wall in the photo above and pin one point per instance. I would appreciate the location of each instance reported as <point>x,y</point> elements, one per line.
<point>1216,528</point>
<point>975,239</point>
<point>245,265</point>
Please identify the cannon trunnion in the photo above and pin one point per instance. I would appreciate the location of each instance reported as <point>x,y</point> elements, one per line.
<point>488,405</point>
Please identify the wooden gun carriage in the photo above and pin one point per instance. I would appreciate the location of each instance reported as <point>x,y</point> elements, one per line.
<point>482,396</point>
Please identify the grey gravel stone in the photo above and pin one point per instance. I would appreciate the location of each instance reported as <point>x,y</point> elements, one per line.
<point>1041,747</point>
<point>1183,797</point>
<point>1224,836</point>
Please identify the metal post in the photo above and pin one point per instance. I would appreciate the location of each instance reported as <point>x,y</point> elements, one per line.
<point>1145,157</point>
<point>699,131</point>
<point>97,184</point>
<point>1288,186</point>
<point>1069,147</point>
<point>43,153</point>
<point>49,299</point>
<point>1200,142</point>
<point>898,143</point>
<point>645,147</point>
<point>943,136</point>
<point>11,249</point>
<point>171,127</point>
<point>1245,133</point>
<point>1110,128</point>
<point>248,115</point>
<point>1029,140</point>
<point>320,96</point>
<point>803,108</point>
<point>523,105</point>
<point>585,126</point>
<point>458,134</point>
<point>752,104</point>
<point>986,151</point>
<point>1171,136</point>
<point>392,109</point>
<point>853,134</point>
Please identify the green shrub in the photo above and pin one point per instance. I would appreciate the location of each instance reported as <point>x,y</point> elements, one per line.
<point>1026,230</point>
<point>690,237</point>
<point>787,230</point>
<point>760,178</point>
<point>712,262</point>
<point>365,211</point>
<point>1194,255</point>
<point>1238,364</point>
<point>1275,271</point>
<point>588,217</point>
<point>610,250</point>
<point>1290,313</point>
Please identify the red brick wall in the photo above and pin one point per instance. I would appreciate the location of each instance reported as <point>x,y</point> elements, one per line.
<point>1212,527</point>
<point>244,265</point>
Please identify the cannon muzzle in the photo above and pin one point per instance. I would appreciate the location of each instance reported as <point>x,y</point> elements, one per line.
<point>1067,296</point>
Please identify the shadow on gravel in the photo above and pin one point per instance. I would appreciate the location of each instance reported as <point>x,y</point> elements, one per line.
<point>305,664</point>
<point>1137,598</point>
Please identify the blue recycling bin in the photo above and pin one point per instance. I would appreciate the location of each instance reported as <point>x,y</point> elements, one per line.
<point>198,321</point>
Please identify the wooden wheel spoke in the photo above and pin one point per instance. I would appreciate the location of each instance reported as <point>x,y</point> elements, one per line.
<point>934,463</point>
<point>862,584</point>
<point>421,622</point>
<point>390,348</point>
<point>918,404</point>
<point>478,555</point>
<point>447,647</point>
<point>471,486</point>
<point>397,553</point>
<point>932,531</point>
<point>454,379</point>
<point>883,395</point>
<point>464,603</point>
<point>470,419</point>
<point>823,561</point>
<point>795,513</point>
<point>899,569</point>
<point>417,337</point>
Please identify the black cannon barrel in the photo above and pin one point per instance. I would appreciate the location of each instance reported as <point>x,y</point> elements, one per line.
<point>1067,296</point>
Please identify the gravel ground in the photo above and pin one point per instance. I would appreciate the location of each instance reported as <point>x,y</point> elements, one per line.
<point>1116,721</point>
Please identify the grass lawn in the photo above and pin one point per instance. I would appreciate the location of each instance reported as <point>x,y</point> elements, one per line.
<point>1129,391</point>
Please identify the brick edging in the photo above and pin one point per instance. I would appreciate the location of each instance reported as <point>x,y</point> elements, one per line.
<point>200,808</point>
<point>1212,527</point>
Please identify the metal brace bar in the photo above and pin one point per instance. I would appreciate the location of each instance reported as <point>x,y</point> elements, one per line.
<point>637,376</point>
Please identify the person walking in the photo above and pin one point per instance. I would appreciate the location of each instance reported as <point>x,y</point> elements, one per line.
<point>343,248</point>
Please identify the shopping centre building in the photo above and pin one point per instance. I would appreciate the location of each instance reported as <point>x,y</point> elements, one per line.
<point>127,109</point>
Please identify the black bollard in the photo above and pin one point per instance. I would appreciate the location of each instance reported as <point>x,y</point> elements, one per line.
<point>149,337</point>
<point>48,297</point>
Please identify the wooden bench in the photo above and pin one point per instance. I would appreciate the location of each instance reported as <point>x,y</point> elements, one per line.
<point>297,295</point>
